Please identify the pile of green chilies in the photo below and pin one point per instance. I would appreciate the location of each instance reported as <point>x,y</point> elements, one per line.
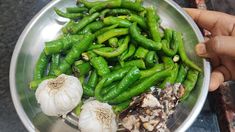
<point>117,50</point>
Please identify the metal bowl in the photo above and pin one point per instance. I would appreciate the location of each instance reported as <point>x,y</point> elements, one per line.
<point>45,26</point>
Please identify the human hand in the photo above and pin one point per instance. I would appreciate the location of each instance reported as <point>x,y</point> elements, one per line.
<point>219,47</point>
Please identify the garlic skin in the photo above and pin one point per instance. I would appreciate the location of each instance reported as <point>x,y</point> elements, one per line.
<point>97,117</point>
<point>59,96</point>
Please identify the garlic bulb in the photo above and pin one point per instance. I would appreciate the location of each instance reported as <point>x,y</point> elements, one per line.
<point>97,117</point>
<point>60,95</point>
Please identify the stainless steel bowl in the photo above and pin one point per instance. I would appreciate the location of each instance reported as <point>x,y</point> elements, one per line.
<point>45,26</point>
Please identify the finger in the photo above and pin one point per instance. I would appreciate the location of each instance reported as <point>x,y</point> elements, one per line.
<point>202,52</point>
<point>209,19</point>
<point>221,46</point>
<point>218,76</point>
<point>205,19</point>
<point>230,65</point>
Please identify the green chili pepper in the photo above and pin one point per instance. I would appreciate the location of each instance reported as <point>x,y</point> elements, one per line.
<point>98,90</point>
<point>70,23</point>
<point>132,76</point>
<point>106,49</point>
<point>190,82</point>
<point>105,29</point>
<point>65,43</point>
<point>88,55</point>
<point>121,107</point>
<point>115,20</point>
<point>130,52</point>
<point>141,40</point>
<point>34,84</point>
<point>151,58</point>
<point>123,54</point>
<point>89,4</point>
<point>88,90</point>
<point>116,75</point>
<point>153,25</point>
<point>120,41</point>
<point>113,42</point>
<point>168,35</point>
<point>78,109</point>
<point>81,79</point>
<point>68,15</point>
<point>171,79</point>
<point>141,53</point>
<point>101,65</point>
<point>139,63</point>
<point>139,1</point>
<point>74,54</point>
<point>41,66</point>
<point>170,48</point>
<point>75,27</point>
<point>140,20</point>
<point>109,79</point>
<point>132,5</point>
<point>104,12</point>
<point>108,88</point>
<point>81,68</point>
<point>65,52</point>
<point>55,60</point>
<point>116,52</point>
<point>141,87</point>
<point>94,26</point>
<point>78,48</point>
<point>183,70</point>
<point>122,17</point>
<point>76,9</point>
<point>69,71</point>
<point>93,79</point>
<point>95,46</point>
<point>119,11</point>
<point>111,33</point>
<point>89,87</point>
<point>183,54</point>
<point>143,13</point>
<point>105,4</point>
<point>151,71</point>
<point>168,62</point>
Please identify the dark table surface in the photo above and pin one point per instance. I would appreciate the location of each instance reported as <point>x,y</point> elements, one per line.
<point>14,16</point>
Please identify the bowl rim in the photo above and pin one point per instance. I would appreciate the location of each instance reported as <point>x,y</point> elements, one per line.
<point>207,69</point>
<point>29,125</point>
<point>16,101</point>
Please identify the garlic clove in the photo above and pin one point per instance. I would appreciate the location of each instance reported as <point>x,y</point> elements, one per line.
<point>50,108</point>
<point>41,96</point>
<point>62,101</point>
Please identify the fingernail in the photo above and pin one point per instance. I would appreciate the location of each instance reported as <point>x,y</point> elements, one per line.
<point>201,49</point>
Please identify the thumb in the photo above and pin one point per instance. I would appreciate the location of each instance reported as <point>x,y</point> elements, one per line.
<point>220,45</point>
<point>218,76</point>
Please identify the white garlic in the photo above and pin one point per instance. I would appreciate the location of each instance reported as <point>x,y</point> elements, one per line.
<point>59,96</point>
<point>97,117</point>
